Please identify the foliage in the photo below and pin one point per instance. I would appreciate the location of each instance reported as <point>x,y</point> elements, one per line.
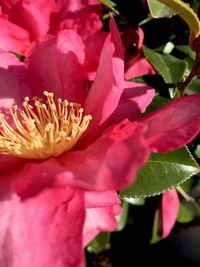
<point>135,170</point>
<point>165,171</point>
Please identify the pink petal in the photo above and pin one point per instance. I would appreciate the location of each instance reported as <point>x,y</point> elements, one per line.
<point>85,20</point>
<point>13,81</point>
<point>141,38</point>
<point>13,38</point>
<point>169,211</point>
<point>138,66</point>
<point>45,230</point>
<point>174,125</point>
<point>132,37</point>
<point>8,162</point>
<point>36,176</point>
<point>111,162</point>
<point>93,48</point>
<point>134,100</point>
<point>108,83</point>
<point>34,16</point>
<point>101,211</point>
<point>101,199</point>
<point>10,168</point>
<point>69,5</point>
<point>7,5</point>
<point>121,151</point>
<point>61,59</point>
<point>74,5</point>
<point>99,220</point>
<point>8,59</point>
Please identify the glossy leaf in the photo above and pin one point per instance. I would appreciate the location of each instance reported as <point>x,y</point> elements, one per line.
<point>187,14</point>
<point>110,5</point>
<point>153,80</point>
<point>159,10</point>
<point>161,173</point>
<point>155,235</point>
<point>186,50</point>
<point>100,243</point>
<point>157,102</point>
<point>187,185</point>
<point>135,201</point>
<point>122,218</point>
<point>188,211</point>
<point>169,67</point>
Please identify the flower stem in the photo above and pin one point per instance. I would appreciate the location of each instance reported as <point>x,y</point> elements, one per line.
<point>184,194</point>
<point>196,67</point>
<point>185,84</point>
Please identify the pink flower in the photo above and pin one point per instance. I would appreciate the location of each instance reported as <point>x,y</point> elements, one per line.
<point>61,163</point>
<point>169,208</point>
<point>42,198</point>
<point>136,63</point>
<point>23,22</point>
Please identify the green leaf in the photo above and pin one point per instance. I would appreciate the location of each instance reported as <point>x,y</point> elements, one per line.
<point>159,10</point>
<point>186,50</point>
<point>100,243</point>
<point>153,80</point>
<point>197,187</point>
<point>122,218</point>
<point>194,86</point>
<point>187,185</point>
<point>187,14</point>
<point>161,173</point>
<point>157,102</point>
<point>138,79</point>
<point>169,67</point>
<point>195,5</point>
<point>197,151</point>
<point>110,5</point>
<point>188,211</point>
<point>134,201</point>
<point>155,235</point>
<point>189,56</point>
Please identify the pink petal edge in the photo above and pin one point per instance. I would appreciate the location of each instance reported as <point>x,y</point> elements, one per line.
<point>169,211</point>
<point>174,125</point>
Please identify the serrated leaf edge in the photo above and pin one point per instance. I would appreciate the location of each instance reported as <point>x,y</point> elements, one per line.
<point>155,65</point>
<point>169,188</point>
<point>160,192</point>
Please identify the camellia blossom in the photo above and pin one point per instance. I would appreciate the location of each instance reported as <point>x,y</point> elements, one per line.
<point>37,200</point>
<point>137,64</point>
<point>23,22</point>
<point>26,21</point>
<point>67,146</point>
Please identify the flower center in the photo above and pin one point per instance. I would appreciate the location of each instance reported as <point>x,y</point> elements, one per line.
<point>47,129</point>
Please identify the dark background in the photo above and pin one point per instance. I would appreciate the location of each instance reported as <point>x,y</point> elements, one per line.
<point>131,247</point>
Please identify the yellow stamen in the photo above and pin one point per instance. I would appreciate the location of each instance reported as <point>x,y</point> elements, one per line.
<point>45,130</point>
